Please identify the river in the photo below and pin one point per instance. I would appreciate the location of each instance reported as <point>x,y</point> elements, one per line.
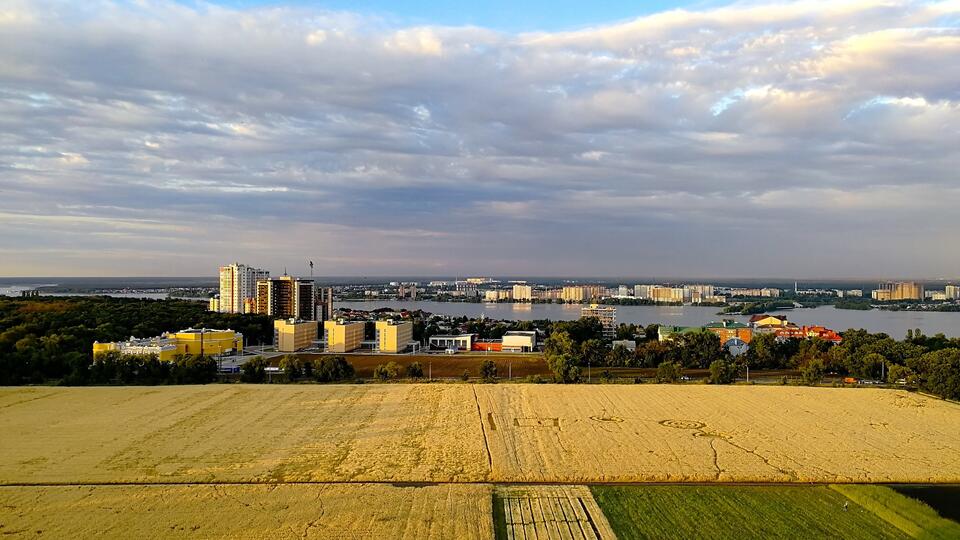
<point>893,323</point>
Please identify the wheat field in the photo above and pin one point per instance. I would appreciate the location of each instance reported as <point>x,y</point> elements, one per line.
<point>474,433</point>
<point>255,511</point>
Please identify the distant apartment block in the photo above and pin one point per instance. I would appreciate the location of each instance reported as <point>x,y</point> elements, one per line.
<point>343,336</point>
<point>407,291</point>
<point>522,293</point>
<point>582,293</point>
<point>496,295</point>
<point>394,336</point>
<point>291,335</point>
<point>465,288</point>
<point>192,341</point>
<point>898,290</point>
<point>952,292</point>
<point>666,294</point>
<point>238,287</point>
<point>607,316</point>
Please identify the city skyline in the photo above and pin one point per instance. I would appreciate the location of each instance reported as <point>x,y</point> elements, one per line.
<point>795,139</point>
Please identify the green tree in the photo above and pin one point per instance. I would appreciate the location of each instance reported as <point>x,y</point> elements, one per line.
<point>812,372</point>
<point>559,352</point>
<point>332,369</point>
<point>414,370</point>
<point>723,372</point>
<point>619,356</point>
<point>254,370</point>
<point>488,371</point>
<point>669,372</point>
<point>292,367</point>
<point>898,372</point>
<point>942,374</point>
<point>700,349</point>
<point>383,372</point>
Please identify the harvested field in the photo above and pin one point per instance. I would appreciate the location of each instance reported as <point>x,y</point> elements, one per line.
<point>549,512</point>
<point>450,365</point>
<point>475,433</point>
<point>354,511</point>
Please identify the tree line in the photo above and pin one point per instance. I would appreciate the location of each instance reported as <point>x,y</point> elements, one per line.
<point>50,338</point>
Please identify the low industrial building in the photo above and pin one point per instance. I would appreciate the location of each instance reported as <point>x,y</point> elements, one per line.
<point>291,335</point>
<point>460,342</point>
<point>394,336</point>
<point>519,341</point>
<point>192,341</point>
<point>343,336</point>
<point>629,344</point>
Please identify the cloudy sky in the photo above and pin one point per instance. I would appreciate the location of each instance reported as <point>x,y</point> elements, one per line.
<point>802,139</point>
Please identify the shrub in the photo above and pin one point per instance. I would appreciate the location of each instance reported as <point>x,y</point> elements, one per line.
<point>383,372</point>
<point>668,372</point>
<point>488,371</point>
<point>414,370</point>
<point>254,370</point>
<point>333,368</point>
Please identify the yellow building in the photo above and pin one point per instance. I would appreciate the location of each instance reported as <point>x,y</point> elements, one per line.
<point>214,304</point>
<point>291,335</point>
<point>666,294</point>
<point>394,336</point>
<point>192,341</point>
<point>582,293</point>
<point>522,293</point>
<point>898,290</point>
<point>343,336</point>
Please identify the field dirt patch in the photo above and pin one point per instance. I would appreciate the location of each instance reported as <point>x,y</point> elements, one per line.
<point>501,433</point>
<point>301,511</point>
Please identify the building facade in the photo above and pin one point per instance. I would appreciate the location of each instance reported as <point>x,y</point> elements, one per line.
<point>459,342</point>
<point>898,290</point>
<point>238,286</point>
<point>192,341</point>
<point>522,293</point>
<point>291,335</point>
<point>519,341</point>
<point>343,336</point>
<point>607,316</point>
<point>286,297</point>
<point>394,336</point>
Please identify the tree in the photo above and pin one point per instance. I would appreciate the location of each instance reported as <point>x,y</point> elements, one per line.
<point>898,373</point>
<point>383,372</point>
<point>254,370</point>
<point>593,352</point>
<point>668,372</point>
<point>723,372</point>
<point>466,375</point>
<point>700,349</point>
<point>332,369</point>
<point>619,356</point>
<point>292,367</point>
<point>488,371</point>
<point>942,376</point>
<point>812,372</point>
<point>558,350</point>
<point>415,370</point>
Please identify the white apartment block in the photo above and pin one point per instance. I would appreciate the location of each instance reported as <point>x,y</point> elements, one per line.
<point>238,286</point>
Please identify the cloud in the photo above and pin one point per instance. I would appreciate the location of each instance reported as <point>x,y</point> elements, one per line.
<point>262,134</point>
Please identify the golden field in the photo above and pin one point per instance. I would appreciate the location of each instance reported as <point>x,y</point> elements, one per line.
<point>474,433</point>
<point>341,511</point>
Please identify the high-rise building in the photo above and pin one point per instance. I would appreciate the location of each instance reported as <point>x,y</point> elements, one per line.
<point>898,290</point>
<point>238,285</point>
<point>607,316</point>
<point>666,294</point>
<point>952,292</point>
<point>286,297</point>
<point>642,291</point>
<point>522,293</point>
<point>582,293</point>
<point>324,304</point>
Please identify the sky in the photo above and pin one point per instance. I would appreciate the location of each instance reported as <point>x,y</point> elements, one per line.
<point>762,139</point>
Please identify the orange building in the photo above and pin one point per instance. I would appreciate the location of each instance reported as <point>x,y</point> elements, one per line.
<point>728,330</point>
<point>492,345</point>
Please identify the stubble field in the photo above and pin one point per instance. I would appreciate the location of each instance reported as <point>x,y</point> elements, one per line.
<point>474,433</point>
